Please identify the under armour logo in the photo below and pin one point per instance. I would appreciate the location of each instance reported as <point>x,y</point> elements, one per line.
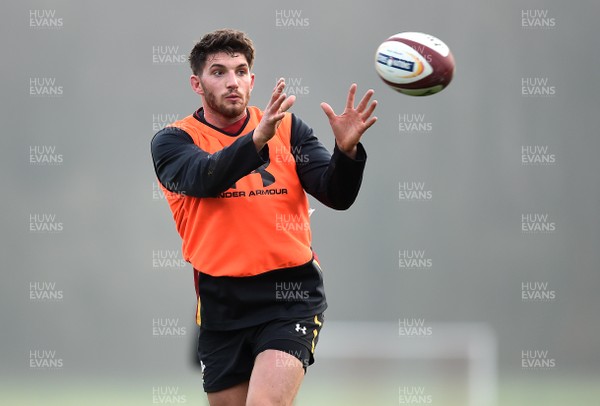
<point>267,178</point>
<point>298,328</point>
<point>203,366</point>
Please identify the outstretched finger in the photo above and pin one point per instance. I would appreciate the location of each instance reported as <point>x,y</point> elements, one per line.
<point>328,110</point>
<point>287,103</point>
<point>370,110</point>
<point>363,103</point>
<point>275,107</point>
<point>272,100</point>
<point>277,92</point>
<point>351,93</point>
<point>369,123</point>
<point>278,84</point>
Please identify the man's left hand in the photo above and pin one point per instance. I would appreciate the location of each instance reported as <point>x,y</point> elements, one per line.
<point>349,127</point>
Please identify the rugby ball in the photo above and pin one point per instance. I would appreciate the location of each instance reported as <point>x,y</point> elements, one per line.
<point>415,63</point>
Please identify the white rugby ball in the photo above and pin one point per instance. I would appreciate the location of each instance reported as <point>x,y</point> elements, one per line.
<point>415,63</point>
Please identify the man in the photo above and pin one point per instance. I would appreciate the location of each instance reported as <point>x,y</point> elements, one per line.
<point>235,178</point>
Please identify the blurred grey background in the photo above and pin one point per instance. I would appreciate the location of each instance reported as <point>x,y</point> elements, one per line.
<point>85,85</point>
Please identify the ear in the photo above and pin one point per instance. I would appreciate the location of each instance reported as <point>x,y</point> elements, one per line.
<point>196,85</point>
<point>251,81</point>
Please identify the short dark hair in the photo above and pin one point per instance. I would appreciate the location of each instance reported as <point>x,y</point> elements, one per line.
<point>224,40</point>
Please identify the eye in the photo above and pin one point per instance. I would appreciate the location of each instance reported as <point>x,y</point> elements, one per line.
<point>242,72</point>
<point>218,73</point>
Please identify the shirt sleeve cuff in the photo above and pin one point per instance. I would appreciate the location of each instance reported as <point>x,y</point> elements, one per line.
<point>262,155</point>
<point>361,155</point>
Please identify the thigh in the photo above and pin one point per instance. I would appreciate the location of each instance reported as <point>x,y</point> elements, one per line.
<point>275,379</point>
<point>284,348</point>
<point>297,337</point>
<point>233,396</point>
<point>226,358</point>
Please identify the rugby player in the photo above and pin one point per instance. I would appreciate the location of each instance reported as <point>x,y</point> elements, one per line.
<point>236,179</point>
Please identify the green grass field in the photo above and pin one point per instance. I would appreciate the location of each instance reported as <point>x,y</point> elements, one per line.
<point>66,391</point>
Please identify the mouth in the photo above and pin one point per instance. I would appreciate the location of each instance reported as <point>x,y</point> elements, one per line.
<point>233,97</point>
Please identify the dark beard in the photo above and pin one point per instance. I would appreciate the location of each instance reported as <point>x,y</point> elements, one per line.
<point>226,111</point>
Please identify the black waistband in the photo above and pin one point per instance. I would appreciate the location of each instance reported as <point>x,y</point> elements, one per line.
<point>229,303</point>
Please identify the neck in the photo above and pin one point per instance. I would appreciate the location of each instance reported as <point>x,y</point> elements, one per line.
<point>219,120</point>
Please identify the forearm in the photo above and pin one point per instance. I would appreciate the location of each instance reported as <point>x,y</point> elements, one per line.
<point>335,179</point>
<point>339,182</point>
<point>184,168</point>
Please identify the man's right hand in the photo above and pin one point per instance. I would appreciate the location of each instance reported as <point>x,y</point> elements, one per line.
<point>272,115</point>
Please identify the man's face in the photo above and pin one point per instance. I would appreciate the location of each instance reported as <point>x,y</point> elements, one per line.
<point>225,85</point>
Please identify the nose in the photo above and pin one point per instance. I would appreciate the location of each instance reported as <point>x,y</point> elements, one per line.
<point>232,80</point>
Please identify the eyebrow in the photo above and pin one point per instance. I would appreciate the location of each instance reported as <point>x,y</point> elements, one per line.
<point>218,65</point>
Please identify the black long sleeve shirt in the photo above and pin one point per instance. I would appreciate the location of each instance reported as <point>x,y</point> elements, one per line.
<point>182,167</point>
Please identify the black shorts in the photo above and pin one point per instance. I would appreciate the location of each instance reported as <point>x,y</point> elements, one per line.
<point>227,357</point>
